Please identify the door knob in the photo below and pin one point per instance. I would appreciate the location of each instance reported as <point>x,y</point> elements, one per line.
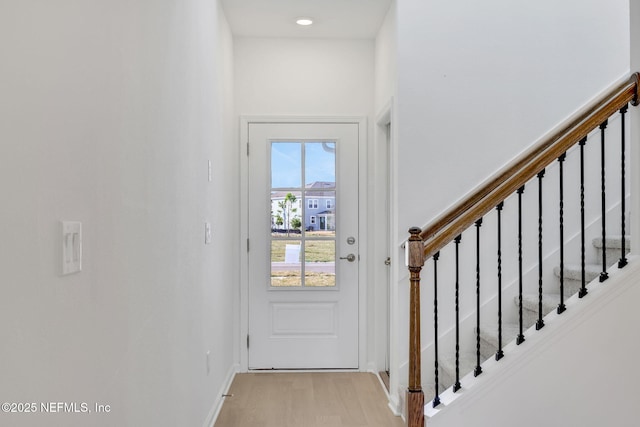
<point>350,257</point>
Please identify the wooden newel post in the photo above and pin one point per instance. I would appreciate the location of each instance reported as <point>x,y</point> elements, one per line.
<point>415,396</point>
<point>636,99</point>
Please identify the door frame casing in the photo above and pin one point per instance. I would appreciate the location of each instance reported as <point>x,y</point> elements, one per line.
<point>381,205</point>
<point>387,154</point>
<point>245,121</point>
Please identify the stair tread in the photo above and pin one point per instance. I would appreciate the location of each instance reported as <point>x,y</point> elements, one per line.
<point>467,363</point>
<point>530,302</point>
<point>489,333</point>
<point>574,271</point>
<point>588,267</point>
<point>491,330</point>
<point>612,242</point>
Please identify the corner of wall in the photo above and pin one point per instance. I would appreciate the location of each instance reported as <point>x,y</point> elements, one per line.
<point>219,400</point>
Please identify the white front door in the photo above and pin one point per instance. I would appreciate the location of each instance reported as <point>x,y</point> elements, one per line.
<point>303,255</point>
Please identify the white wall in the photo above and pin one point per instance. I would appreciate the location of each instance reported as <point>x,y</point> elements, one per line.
<point>110,111</point>
<point>386,60</point>
<point>477,78</point>
<point>303,76</point>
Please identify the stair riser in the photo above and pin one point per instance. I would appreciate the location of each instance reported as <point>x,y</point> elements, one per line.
<point>489,339</point>
<point>529,318</point>
<point>612,254</point>
<point>573,280</point>
<point>429,391</point>
<point>447,370</point>
<point>570,287</point>
<point>487,349</point>
<point>446,379</point>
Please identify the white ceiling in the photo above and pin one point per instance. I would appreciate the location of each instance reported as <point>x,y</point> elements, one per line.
<point>332,18</point>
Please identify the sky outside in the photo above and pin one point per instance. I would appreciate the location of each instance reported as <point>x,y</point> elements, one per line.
<point>286,163</point>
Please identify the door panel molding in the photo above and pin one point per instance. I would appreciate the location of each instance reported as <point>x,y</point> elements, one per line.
<point>324,323</point>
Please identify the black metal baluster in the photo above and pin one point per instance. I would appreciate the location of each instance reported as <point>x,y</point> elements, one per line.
<point>499,353</point>
<point>478,370</point>
<point>436,256</point>
<point>457,385</point>
<point>583,287</point>
<point>604,275</point>
<point>623,256</point>
<point>540,322</point>
<point>561,307</point>
<point>520,338</point>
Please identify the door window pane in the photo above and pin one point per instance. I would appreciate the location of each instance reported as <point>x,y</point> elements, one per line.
<point>286,165</point>
<point>320,163</point>
<point>286,268</point>
<point>286,214</point>
<point>324,224</point>
<point>320,263</point>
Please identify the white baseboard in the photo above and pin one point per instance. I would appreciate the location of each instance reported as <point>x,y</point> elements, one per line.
<point>217,404</point>
<point>395,406</point>
<point>397,402</point>
<point>371,367</point>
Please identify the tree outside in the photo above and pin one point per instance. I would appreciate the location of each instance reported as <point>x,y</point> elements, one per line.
<point>288,211</point>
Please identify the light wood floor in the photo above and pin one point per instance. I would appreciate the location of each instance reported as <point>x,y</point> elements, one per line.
<point>306,400</point>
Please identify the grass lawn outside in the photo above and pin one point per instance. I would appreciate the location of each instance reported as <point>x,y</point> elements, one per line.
<point>315,250</point>
<point>283,279</point>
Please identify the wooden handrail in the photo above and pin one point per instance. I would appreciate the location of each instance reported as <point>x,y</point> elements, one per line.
<point>450,224</point>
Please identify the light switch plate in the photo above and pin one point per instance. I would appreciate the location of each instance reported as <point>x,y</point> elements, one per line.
<point>207,233</point>
<point>71,247</point>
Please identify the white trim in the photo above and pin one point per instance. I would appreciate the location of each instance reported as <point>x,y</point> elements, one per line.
<point>219,401</point>
<point>361,121</point>
<point>389,155</point>
<point>384,115</point>
<point>244,241</point>
<point>301,371</point>
<point>363,232</point>
<point>386,392</point>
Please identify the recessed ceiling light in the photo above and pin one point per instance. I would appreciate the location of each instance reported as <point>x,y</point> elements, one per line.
<point>304,21</point>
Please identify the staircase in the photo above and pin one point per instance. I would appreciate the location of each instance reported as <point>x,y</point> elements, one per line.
<point>490,331</point>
